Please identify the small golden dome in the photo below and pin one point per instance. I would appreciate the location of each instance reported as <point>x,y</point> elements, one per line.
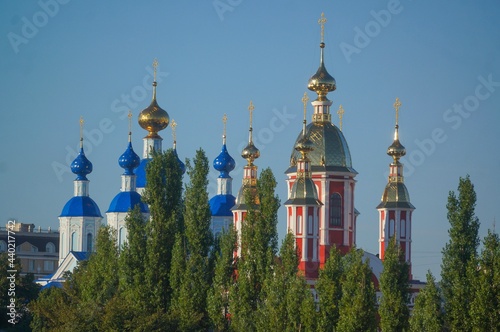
<point>396,150</point>
<point>322,82</point>
<point>250,153</point>
<point>304,145</point>
<point>153,118</point>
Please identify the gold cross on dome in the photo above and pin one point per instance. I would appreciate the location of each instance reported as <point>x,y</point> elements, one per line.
<point>81,128</point>
<point>397,105</point>
<point>340,112</point>
<point>322,22</point>
<point>305,99</point>
<point>173,125</point>
<point>224,121</point>
<point>155,67</point>
<point>251,108</point>
<point>129,125</point>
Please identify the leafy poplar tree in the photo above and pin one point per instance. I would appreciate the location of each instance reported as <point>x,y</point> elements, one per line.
<point>457,256</point>
<point>218,295</point>
<point>357,307</point>
<point>133,256</point>
<point>258,249</point>
<point>286,295</point>
<point>395,288</point>
<point>329,290</point>
<point>427,313</point>
<point>163,194</point>
<point>485,307</point>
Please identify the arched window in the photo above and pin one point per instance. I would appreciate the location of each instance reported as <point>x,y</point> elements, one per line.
<point>391,228</point>
<point>335,210</point>
<point>74,241</point>
<point>121,237</point>
<point>402,228</point>
<point>89,242</point>
<point>62,244</point>
<point>299,224</point>
<point>310,225</point>
<point>50,247</point>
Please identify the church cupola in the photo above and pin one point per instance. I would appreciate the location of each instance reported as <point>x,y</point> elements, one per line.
<point>80,217</point>
<point>153,119</point>
<point>248,190</point>
<point>223,201</point>
<point>182,166</point>
<point>128,197</point>
<point>395,209</point>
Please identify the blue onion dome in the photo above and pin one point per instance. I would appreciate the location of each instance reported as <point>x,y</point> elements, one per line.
<point>224,163</point>
<point>181,164</point>
<point>81,166</point>
<point>129,160</point>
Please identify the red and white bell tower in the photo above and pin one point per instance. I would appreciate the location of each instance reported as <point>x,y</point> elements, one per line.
<point>303,207</point>
<point>396,210</point>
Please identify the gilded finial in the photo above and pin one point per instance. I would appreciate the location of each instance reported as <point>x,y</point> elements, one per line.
<point>174,125</point>
<point>304,99</point>
<point>129,125</point>
<point>251,108</point>
<point>397,105</point>
<point>155,67</point>
<point>224,122</point>
<point>81,131</point>
<point>340,113</point>
<point>322,22</point>
<point>250,152</point>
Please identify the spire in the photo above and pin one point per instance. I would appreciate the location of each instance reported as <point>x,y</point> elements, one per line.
<point>322,82</point>
<point>224,163</point>
<point>154,118</point>
<point>304,144</point>
<point>396,150</point>
<point>250,152</point>
<point>81,166</point>
<point>304,190</point>
<point>174,136</point>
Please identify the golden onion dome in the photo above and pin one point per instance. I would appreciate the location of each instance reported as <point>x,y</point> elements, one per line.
<point>250,153</point>
<point>330,150</point>
<point>322,82</point>
<point>396,150</point>
<point>304,145</point>
<point>153,118</point>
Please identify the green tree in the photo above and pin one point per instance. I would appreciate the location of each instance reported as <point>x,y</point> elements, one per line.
<point>458,253</point>
<point>427,313</point>
<point>24,291</point>
<point>329,288</point>
<point>485,307</point>
<point>163,194</point>
<point>218,295</point>
<point>286,295</point>
<point>191,294</point>
<point>394,285</point>
<point>357,308</point>
<point>258,250</point>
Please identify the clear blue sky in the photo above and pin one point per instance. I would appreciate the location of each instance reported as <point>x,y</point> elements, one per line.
<point>76,58</point>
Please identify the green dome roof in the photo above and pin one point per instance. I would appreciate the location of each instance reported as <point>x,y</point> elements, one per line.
<point>330,152</point>
<point>395,196</point>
